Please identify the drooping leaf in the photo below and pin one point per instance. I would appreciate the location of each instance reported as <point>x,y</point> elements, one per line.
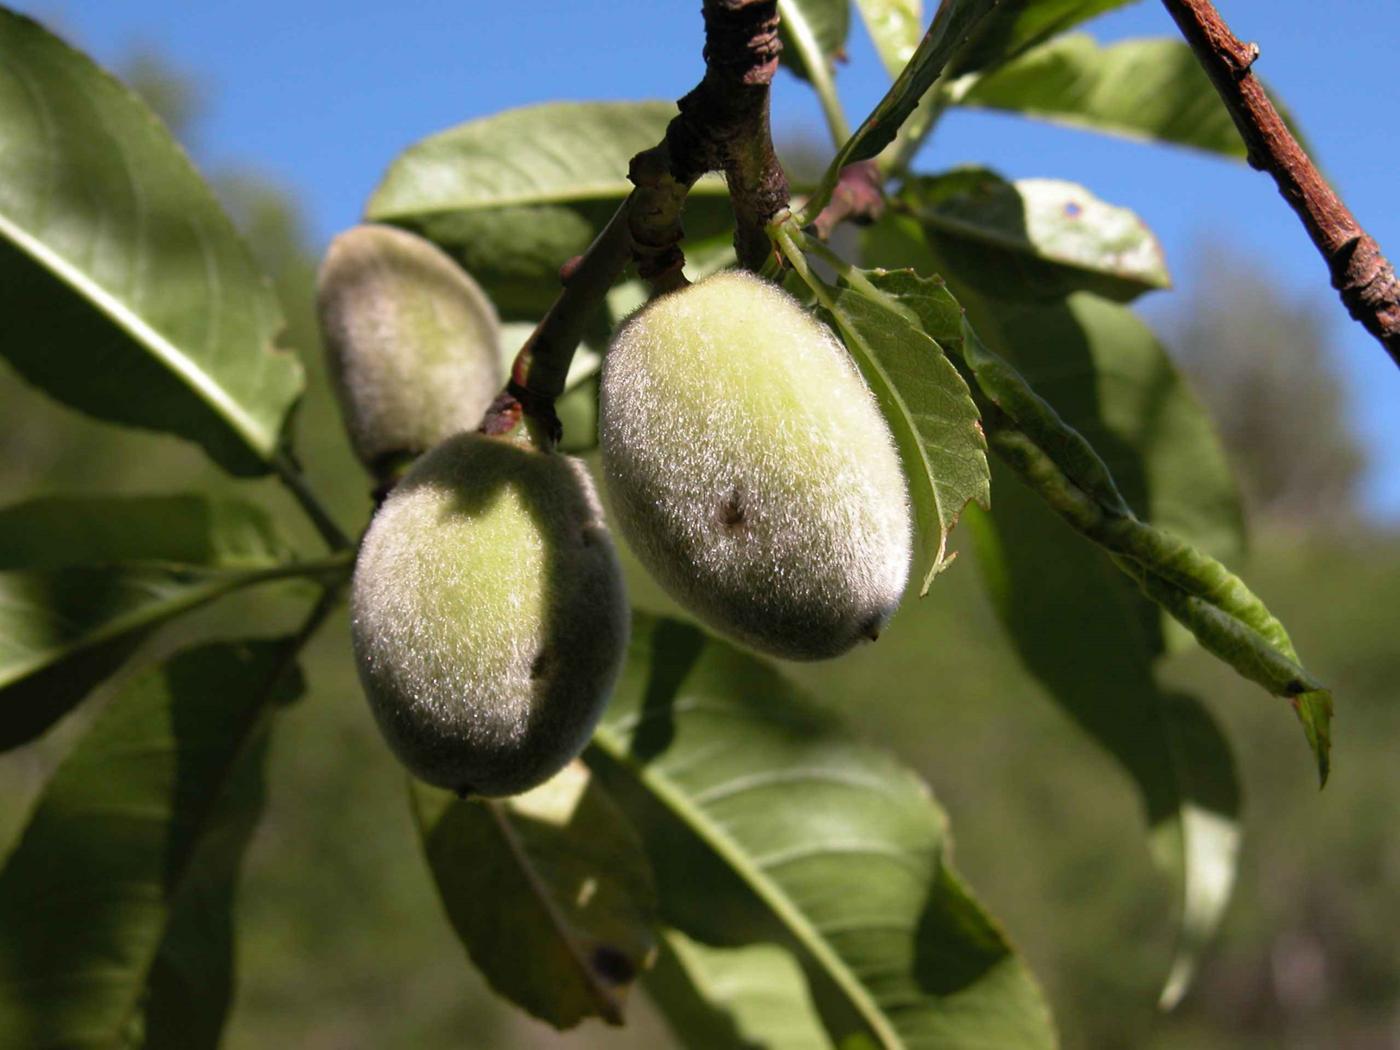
<point>813,27</point>
<point>104,929</point>
<point>734,998</point>
<point>952,23</point>
<point>1080,626</point>
<point>1018,25</point>
<point>1035,238</point>
<point>84,580</point>
<point>1150,90</point>
<point>767,821</point>
<point>549,891</point>
<point>1087,637</point>
<point>895,26</point>
<point>190,990</point>
<point>515,195</point>
<point>124,290</point>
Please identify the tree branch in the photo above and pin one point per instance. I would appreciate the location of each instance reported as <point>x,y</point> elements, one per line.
<point>722,126</point>
<point>1360,272</point>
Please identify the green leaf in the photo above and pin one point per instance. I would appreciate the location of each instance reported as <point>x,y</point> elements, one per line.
<point>124,290</point>
<point>1080,626</point>
<point>1035,238</point>
<point>100,574</point>
<point>515,195</point>
<point>813,29</point>
<point>1149,90</point>
<point>1017,25</point>
<point>924,399</point>
<point>930,412</point>
<point>895,27</point>
<point>734,998</point>
<point>55,531</point>
<point>952,23</point>
<point>768,821</point>
<point>549,891</point>
<point>190,989</point>
<point>102,918</point>
<point>1089,638</point>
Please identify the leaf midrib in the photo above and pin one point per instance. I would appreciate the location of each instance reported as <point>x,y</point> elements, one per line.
<point>766,888</point>
<point>257,438</point>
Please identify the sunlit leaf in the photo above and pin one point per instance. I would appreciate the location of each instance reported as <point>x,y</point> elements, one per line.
<point>549,891</point>
<point>124,290</point>
<point>767,821</point>
<point>515,195</point>
<point>952,23</point>
<point>1080,626</point>
<point>1035,238</point>
<point>816,25</point>
<point>1017,25</point>
<point>1149,90</point>
<point>895,26</point>
<point>933,419</point>
<point>734,998</point>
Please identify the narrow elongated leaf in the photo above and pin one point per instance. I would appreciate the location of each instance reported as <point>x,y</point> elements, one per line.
<point>1035,238</point>
<point>190,990</point>
<point>926,402</point>
<point>515,195</point>
<point>930,412</point>
<point>1088,637</point>
<point>766,821</point>
<point>952,23</point>
<point>813,26</point>
<point>1017,25</point>
<point>100,574</point>
<point>1150,90</point>
<point>1081,628</point>
<point>549,891</point>
<point>895,26</point>
<point>734,998</point>
<point>126,838</point>
<point>124,290</point>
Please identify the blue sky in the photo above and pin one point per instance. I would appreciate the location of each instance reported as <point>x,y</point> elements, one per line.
<point>320,94</point>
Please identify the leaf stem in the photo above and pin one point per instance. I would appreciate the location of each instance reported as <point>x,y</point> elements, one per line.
<point>295,481</point>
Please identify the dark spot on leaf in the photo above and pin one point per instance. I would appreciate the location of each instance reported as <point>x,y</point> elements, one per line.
<point>465,792</point>
<point>612,965</point>
<point>1073,210</point>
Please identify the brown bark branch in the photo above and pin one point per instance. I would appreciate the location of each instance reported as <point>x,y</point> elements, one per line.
<point>722,126</point>
<point>1360,272</point>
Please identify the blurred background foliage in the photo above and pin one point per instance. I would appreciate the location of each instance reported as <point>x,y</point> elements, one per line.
<point>342,940</point>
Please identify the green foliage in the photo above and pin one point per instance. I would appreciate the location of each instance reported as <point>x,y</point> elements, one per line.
<point>1035,238</point>
<point>557,909</point>
<point>765,820</point>
<point>1152,90</point>
<point>730,846</point>
<point>114,904</point>
<point>84,580</point>
<point>515,195</point>
<point>146,271</point>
